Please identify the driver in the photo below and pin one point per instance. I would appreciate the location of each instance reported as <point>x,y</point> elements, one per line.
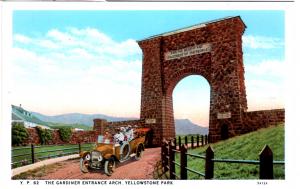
<point>107,138</point>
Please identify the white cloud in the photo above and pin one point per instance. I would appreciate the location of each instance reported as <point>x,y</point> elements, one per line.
<point>78,70</point>
<point>61,37</point>
<point>262,42</point>
<point>275,68</point>
<point>22,39</point>
<point>265,84</point>
<point>48,44</point>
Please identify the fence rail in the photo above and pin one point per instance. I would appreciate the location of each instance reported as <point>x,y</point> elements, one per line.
<point>33,153</point>
<point>168,151</point>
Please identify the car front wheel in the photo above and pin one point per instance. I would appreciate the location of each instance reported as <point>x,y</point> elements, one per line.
<point>84,163</point>
<point>109,166</point>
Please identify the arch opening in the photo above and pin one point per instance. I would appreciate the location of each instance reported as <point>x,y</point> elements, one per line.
<point>191,105</point>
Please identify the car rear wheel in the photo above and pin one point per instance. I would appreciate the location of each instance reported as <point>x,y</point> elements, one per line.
<point>139,152</point>
<point>85,163</point>
<point>109,166</point>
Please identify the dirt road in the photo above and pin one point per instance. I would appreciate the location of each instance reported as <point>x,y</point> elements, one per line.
<point>142,169</point>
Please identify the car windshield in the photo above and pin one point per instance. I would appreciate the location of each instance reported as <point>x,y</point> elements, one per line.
<point>102,139</point>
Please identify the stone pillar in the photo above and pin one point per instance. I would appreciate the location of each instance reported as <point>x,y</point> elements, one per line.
<point>152,88</point>
<point>99,126</point>
<point>228,97</point>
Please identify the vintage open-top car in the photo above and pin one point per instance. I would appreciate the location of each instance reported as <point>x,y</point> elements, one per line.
<point>112,147</point>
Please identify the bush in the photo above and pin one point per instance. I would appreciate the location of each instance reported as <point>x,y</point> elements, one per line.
<point>19,133</point>
<point>65,133</point>
<point>45,135</point>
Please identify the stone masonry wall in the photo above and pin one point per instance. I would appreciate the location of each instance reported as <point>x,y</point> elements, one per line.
<point>81,136</point>
<point>100,125</point>
<point>264,118</point>
<point>77,137</point>
<point>138,122</point>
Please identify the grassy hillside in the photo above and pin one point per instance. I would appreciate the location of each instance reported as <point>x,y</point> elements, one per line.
<point>79,126</point>
<point>246,147</point>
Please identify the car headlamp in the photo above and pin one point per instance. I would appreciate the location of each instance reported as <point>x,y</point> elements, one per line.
<point>88,157</point>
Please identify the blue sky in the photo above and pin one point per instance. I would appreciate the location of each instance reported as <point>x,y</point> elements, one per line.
<point>89,62</point>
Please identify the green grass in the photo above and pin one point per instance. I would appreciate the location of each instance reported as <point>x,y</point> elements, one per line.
<point>79,126</point>
<point>245,147</point>
<point>40,152</point>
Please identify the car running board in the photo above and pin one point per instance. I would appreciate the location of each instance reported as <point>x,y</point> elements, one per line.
<point>130,156</point>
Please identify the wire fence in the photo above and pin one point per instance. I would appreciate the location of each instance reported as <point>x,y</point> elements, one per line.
<point>22,156</point>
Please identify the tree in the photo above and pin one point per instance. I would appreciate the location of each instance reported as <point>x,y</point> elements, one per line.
<point>19,133</point>
<point>65,133</point>
<point>45,135</point>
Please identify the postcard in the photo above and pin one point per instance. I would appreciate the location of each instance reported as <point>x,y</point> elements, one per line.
<point>164,94</point>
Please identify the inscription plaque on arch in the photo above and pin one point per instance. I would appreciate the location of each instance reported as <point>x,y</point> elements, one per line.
<point>150,121</point>
<point>225,115</point>
<point>188,51</point>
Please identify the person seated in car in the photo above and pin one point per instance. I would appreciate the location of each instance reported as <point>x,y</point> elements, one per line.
<point>119,137</point>
<point>129,133</point>
<point>107,138</point>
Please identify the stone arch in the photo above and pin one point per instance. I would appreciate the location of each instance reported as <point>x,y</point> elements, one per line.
<point>181,75</point>
<point>212,50</point>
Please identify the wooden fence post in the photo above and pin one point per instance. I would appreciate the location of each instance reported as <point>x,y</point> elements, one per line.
<point>202,141</point>
<point>209,164</point>
<point>192,141</point>
<point>179,142</point>
<point>164,156</point>
<point>175,142</point>
<point>266,163</point>
<point>206,140</point>
<point>183,162</point>
<point>171,160</point>
<point>197,140</point>
<point>79,147</point>
<point>167,156</point>
<point>32,154</point>
<point>186,141</point>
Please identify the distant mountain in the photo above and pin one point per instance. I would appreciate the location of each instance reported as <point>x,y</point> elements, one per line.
<point>185,127</point>
<point>182,126</point>
<point>77,118</point>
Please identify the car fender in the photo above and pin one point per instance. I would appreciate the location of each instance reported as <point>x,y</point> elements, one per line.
<point>83,153</point>
<point>143,147</point>
<point>108,156</point>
